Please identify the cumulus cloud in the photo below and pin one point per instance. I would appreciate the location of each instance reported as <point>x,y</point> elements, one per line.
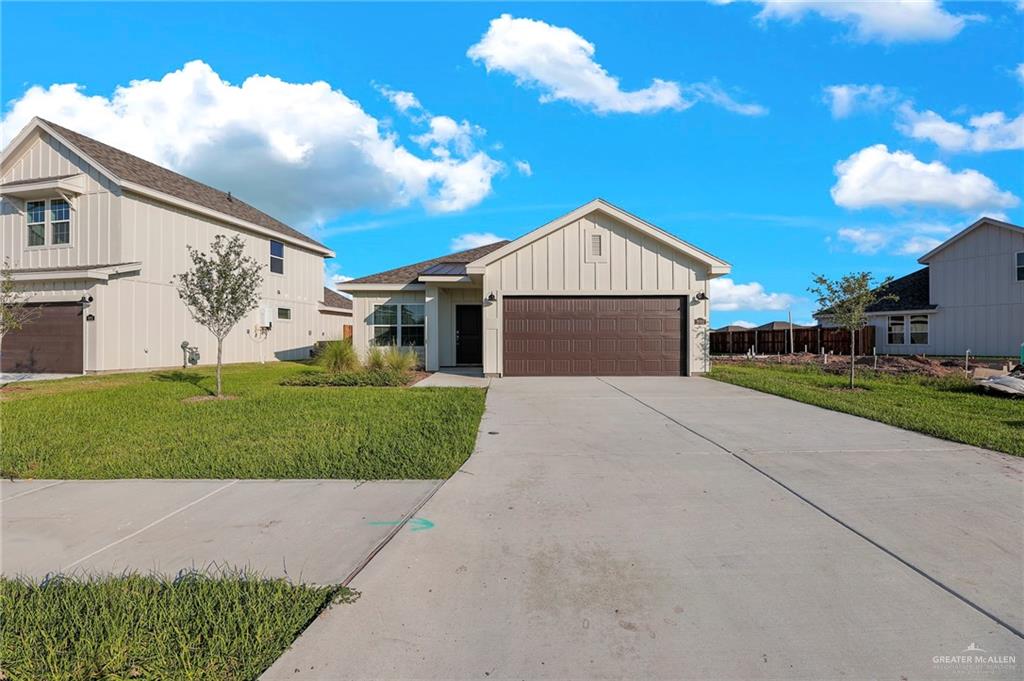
<point>524,168</point>
<point>560,63</point>
<point>845,100</point>
<point>727,295</point>
<point>874,176</point>
<point>918,245</point>
<point>864,240</point>
<point>464,242</point>
<point>986,132</point>
<point>890,21</point>
<point>402,100</point>
<point>446,133</point>
<point>910,238</point>
<point>304,152</point>
<point>333,275</point>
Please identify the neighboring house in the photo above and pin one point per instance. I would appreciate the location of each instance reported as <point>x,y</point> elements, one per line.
<point>969,296</point>
<point>335,316</point>
<point>597,291</point>
<point>729,328</point>
<point>95,236</point>
<point>781,326</point>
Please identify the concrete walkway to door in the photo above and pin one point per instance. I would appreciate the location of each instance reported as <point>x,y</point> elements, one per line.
<point>683,528</point>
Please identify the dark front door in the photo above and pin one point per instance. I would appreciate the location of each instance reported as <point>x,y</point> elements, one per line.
<point>599,336</point>
<point>51,343</point>
<point>469,334</point>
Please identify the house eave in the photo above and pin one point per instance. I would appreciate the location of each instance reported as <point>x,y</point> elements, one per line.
<point>44,188</point>
<point>99,273</point>
<point>368,286</point>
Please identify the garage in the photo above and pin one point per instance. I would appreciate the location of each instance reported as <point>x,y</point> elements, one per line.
<point>594,336</point>
<point>51,343</point>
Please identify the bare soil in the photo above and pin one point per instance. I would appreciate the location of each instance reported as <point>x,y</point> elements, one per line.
<point>208,398</point>
<point>896,365</point>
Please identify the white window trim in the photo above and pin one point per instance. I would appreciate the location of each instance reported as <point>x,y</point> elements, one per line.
<point>47,224</point>
<point>888,324</point>
<point>588,235</point>
<point>398,324</point>
<point>277,314</point>
<point>910,329</point>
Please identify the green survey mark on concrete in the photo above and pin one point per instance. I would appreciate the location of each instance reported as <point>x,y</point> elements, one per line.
<point>415,524</point>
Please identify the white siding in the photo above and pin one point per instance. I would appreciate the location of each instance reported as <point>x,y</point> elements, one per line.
<point>555,264</point>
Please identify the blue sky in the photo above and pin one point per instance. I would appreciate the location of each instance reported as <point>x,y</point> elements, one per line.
<point>787,139</point>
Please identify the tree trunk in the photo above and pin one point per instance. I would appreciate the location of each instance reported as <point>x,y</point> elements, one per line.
<point>220,347</point>
<point>853,342</point>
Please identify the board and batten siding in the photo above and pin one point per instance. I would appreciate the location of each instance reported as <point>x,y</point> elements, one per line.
<point>980,302</point>
<point>95,219</point>
<point>362,310</point>
<point>556,264</point>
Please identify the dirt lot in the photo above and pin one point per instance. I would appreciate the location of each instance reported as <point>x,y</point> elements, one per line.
<point>916,364</point>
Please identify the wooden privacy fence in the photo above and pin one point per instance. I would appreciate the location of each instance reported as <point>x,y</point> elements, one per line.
<point>804,340</point>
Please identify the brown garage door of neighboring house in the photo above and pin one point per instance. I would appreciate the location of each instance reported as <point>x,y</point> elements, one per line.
<point>594,336</point>
<point>51,343</point>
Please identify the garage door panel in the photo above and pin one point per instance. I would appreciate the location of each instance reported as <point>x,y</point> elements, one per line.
<point>588,336</point>
<point>50,343</point>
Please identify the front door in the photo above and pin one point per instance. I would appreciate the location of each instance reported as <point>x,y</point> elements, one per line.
<point>469,334</point>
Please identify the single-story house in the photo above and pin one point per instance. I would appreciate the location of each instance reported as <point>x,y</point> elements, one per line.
<point>781,326</point>
<point>968,297</point>
<point>597,291</point>
<point>93,236</point>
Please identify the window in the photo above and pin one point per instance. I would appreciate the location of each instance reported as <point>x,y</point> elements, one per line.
<point>60,222</point>
<point>397,325</point>
<point>595,245</point>
<point>276,257</point>
<point>284,313</point>
<point>919,329</point>
<point>1020,266</point>
<point>896,328</point>
<point>35,212</point>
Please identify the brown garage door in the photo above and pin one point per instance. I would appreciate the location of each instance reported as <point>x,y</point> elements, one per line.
<point>51,343</point>
<point>593,336</point>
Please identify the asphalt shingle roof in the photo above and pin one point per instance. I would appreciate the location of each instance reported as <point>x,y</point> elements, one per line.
<point>911,292</point>
<point>335,299</point>
<point>134,169</point>
<point>408,274</point>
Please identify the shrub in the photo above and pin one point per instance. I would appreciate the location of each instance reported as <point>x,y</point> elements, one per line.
<point>402,360</point>
<point>375,359</point>
<point>338,356</point>
<point>377,378</point>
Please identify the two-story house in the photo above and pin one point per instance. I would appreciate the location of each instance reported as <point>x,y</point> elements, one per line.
<point>94,236</point>
<point>968,297</point>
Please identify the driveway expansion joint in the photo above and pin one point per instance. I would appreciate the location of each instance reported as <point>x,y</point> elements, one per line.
<point>934,580</point>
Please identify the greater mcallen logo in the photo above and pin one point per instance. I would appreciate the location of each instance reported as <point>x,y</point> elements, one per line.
<point>974,655</point>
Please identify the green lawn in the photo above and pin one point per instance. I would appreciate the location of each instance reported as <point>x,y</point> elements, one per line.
<point>946,408</point>
<point>138,426</point>
<point>221,628</point>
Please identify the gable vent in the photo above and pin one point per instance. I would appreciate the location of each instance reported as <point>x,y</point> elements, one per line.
<point>595,245</point>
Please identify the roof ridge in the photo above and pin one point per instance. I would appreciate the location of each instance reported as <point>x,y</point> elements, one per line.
<point>407,274</point>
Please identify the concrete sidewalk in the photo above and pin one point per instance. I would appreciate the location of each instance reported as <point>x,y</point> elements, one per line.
<point>611,529</point>
<point>316,531</point>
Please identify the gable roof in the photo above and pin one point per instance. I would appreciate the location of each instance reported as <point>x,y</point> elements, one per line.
<point>964,232</point>
<point>781,326</point>
<point>122,167</point>
<point>911,291</point>
<point>716,266</point>
<point>408,274</point>
<point>336,300</point>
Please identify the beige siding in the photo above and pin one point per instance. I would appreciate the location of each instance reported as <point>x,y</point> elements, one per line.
<point>448,299</point>
<point>556,264</point>
<point>95,219</point>
<point>362,309</point>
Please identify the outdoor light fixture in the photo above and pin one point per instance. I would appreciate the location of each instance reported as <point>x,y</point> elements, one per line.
<point>701,296</point>
<point>491,298</point>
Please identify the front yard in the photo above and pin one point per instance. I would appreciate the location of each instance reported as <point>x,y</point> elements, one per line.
<point>141,426</point>
<point>226,626</point>
<point>947,408</point>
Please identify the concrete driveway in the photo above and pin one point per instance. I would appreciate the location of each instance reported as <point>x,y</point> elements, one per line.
<point>683,528</point>
<point>316,531</point>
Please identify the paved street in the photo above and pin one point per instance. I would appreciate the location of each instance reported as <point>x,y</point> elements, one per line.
<point>683,528</point>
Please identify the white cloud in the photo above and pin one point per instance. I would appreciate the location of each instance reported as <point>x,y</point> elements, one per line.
<point>845,100</point>
<point>742,322</point>
<point>333,275</point>
<point>986,132</point>
<point>727,295</point>
<point>1020,73</point>
<point>464,242</point>
<point>524,168</point>
<point>864,240</point>
<point>918,245</point>
<point>910,238</point>
<point>402,100</point>
<point>304,152</point>
<point>446,133</point>
<point>889,21</point>
<point>874,176</point>
<point>560,62</point>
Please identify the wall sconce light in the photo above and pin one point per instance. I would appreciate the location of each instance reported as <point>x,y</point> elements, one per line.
<point>701,296</point>
<point>492,298</point>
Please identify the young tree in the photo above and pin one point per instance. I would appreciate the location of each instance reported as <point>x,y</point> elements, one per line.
<point>220,288</point>
<point>845,301</point>
<point>14,310</point>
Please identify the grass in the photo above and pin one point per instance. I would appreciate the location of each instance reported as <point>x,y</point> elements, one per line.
<point>137,426</point>
<point>226,626</point>
<point>374,377</point>
<point>948,408</point>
